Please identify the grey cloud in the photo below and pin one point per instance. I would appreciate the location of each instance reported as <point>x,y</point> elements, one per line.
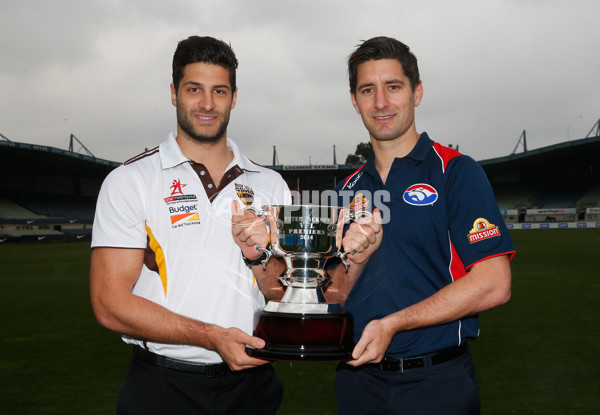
<point>101,70</point>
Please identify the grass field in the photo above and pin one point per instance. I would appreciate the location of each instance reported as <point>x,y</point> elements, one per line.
<point>538,354</point>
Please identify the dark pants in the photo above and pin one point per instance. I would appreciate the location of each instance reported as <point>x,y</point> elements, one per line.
<point>153,390</point>
<point>448,388</point>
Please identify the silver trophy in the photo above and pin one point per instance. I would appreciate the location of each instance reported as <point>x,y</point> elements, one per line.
<point>303,326</point>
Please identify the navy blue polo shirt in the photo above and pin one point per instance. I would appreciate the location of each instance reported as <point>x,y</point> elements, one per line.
<point>440,218</point>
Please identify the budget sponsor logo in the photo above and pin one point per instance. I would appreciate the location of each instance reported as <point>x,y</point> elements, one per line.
<point>184,215</point>
<point>185,218</point>
<point>183,208</point>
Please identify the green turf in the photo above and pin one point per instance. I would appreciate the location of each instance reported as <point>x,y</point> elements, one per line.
<point>536,355</point>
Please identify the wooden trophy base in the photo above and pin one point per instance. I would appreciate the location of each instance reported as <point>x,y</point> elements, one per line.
<point>303,337</point>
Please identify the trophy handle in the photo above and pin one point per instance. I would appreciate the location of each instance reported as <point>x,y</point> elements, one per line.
<point>346,216</point>
<point>269,251</point>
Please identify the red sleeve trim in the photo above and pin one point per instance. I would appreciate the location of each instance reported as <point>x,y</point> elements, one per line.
<point>510,254</point>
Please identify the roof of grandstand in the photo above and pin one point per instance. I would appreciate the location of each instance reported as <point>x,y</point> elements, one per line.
<point>36,158</point>
<point>568,162</point>
<point>591,143</point>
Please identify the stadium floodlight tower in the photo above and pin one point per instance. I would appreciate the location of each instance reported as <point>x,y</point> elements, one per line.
<point>522,138</point>
<point>81,144</point>
<point>275,158</point>
<point>595,130</point>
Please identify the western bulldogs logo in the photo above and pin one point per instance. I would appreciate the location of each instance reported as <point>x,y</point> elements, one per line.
<point>420,195</point>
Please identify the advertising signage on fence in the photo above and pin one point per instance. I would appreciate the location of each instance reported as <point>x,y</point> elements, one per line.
<point>551,211</point>
<point>554,225</point>
<point>593,210</point>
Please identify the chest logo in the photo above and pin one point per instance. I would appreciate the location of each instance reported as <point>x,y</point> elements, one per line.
<point>176,187</point>
<point>245,193</point>
<point>482,229</point>
<point>359,204</point>
<point>420,194</point>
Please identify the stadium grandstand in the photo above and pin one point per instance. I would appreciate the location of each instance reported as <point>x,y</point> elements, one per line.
<point>558,185</point>
<point>49,194</point>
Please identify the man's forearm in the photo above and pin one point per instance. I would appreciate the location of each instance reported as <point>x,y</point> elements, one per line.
<point>113,274</point>
<point>268,278</point>
<point>486,286</point>
<point>143,319</point>
<point>341,282</point>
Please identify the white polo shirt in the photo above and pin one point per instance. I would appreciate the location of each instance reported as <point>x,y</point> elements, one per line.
<point>161,202</point>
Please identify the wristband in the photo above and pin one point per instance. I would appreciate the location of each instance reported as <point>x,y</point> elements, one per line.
<point>253,262</point>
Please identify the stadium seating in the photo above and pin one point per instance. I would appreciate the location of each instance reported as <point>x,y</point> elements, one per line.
<point>39,217</point>
<point>13,211</point>
<point>590,199</point>
<point>551,198</point>
<point>557,198</point>
<point>515,197</point>
<point>60,206</point>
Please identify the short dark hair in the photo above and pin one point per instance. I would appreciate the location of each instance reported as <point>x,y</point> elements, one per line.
<point>204,49</point>
<point>382,47</point>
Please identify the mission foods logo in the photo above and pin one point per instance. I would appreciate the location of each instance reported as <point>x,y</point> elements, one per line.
<point>482,229</point>
<point>359,204</point>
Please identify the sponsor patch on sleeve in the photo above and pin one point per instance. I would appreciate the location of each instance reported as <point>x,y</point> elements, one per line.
<point>482,229</point>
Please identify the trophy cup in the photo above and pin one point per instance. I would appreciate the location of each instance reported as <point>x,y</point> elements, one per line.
<point>303,326</point>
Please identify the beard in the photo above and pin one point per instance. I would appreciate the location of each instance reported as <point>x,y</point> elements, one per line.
<point>187,126</point>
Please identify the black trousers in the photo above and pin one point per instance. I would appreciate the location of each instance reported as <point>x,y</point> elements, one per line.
<point>153,390</point>
<point>448,388</point>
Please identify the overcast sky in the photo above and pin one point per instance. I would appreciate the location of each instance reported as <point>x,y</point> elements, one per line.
<point>101,70</point>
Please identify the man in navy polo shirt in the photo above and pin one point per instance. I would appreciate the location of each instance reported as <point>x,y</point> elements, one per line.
<point>440,256</point>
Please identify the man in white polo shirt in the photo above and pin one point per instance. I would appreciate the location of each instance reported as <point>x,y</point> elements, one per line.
<point>167,269</point>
